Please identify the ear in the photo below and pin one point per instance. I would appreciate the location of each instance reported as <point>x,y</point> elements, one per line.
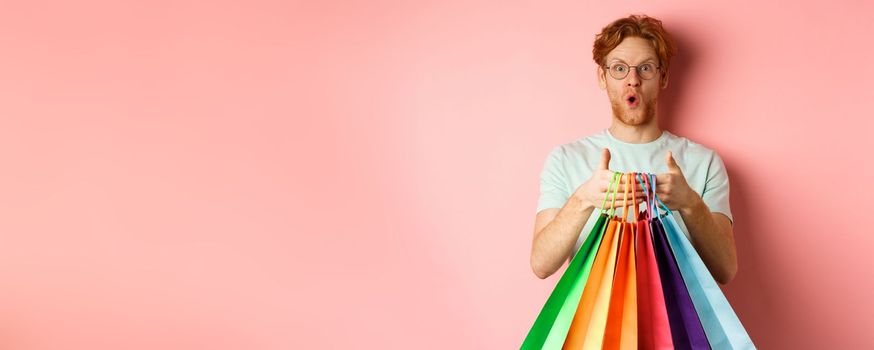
<point>665,80</point>
<point>602,80</point>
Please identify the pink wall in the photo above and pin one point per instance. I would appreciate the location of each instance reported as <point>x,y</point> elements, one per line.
<point>266,175</point>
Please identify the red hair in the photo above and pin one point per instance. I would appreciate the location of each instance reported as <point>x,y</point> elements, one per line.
<point>640,26</point>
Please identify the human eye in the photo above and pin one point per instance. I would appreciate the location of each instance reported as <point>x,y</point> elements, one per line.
<point>620,68</point>
<point>647,67</point>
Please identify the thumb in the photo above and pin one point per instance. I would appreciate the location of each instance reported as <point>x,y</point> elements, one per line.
<point>605,159</point>
<point>672,164</point>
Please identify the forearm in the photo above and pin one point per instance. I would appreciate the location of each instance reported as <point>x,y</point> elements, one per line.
<point>714,240</point>
<point>553,244</point>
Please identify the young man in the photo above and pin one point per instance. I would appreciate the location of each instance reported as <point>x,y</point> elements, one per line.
<point>633,55</point>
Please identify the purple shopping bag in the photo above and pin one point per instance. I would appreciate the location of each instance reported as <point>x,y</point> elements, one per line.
<point>686,329</point>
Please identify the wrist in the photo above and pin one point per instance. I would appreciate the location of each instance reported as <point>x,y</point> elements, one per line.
<point>580,204</point>
<point>694,205</point>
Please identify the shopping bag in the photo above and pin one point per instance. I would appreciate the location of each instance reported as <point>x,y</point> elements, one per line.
<point>637,283</point>
<point>621,329</point>
<point>720,323</point>
<point>590,318</point>
<point>686,329</point>
<point>551,326</point>
<point>654,330</point>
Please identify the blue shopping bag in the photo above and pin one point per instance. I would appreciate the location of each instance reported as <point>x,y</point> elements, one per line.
<point>723,328</point>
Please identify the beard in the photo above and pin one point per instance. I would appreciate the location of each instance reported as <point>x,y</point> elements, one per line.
<point>642,115</point>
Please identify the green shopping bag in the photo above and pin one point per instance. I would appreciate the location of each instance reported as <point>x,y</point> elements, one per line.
<point>551,326</point>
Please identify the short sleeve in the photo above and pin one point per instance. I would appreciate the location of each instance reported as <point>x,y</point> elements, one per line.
<point>553,181</point>
<point>716,188</point>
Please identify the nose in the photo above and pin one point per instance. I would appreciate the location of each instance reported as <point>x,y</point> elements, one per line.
<point>633,78</point>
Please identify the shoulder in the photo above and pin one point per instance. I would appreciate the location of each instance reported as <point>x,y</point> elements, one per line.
<point>691,150</point>
<point>696,157</point>
<point>582,148</point>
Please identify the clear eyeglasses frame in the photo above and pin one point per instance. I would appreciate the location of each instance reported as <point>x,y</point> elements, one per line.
<point>645,71</point>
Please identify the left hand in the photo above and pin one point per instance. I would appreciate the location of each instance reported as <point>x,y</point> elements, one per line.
<point>672,188</point>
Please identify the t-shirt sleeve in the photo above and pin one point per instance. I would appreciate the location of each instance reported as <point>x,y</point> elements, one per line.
<point>715,193</point>
<point>553,181</point>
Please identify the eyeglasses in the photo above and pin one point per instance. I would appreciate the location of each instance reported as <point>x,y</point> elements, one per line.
<point>620,70</point>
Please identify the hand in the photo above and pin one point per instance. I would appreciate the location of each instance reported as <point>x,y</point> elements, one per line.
<point>672,188</point>
<point>593,191</point>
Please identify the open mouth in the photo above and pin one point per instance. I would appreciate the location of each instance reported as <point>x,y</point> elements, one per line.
<point>632,100</point>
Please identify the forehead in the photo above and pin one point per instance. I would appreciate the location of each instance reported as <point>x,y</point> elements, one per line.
<point>633,49</point>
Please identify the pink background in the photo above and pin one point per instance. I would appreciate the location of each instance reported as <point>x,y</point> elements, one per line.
<point>290,175</point>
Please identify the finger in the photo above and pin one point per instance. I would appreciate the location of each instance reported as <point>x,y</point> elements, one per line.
<point>609,205</point>
<point>634,178</point>
<point>672,164</point>
<point>624,178</point>
<point>605,159</point>
<point>605,174</point>
<point>608,175</point>
<point>619,206</point>
<point>621,198</point>
<point>620,190</point>
<point>610,186</point>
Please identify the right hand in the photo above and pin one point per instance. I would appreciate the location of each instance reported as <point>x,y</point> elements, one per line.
<point>593,191</point>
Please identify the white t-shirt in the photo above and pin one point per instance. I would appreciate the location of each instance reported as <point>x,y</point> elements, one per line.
<point>570,165</point>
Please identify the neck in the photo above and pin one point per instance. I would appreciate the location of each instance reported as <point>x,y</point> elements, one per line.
<point>635,133</point>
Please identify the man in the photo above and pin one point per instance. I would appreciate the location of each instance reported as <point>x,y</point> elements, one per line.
<point>633,56</point>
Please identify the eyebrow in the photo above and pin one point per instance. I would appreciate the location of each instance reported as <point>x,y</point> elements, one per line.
<point>623,61</point>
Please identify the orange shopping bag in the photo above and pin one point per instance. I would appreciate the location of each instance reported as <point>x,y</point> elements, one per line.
<point>590,320</point>
<point>621,330</point>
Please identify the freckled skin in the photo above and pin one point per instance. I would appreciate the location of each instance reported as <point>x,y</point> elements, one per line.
<point>633,51</point>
